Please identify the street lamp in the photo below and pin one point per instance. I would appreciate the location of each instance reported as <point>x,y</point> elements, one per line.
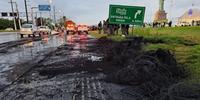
<point>32,14</point>
<point>61,13</point>
<point>50,3</point>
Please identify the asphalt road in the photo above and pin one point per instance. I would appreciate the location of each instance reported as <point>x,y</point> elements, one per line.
<point>8,36</point>
<point>56,68</point>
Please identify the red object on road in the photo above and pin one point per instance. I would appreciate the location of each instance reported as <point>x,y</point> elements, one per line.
<point>70,26</point>
<point>82,28</point>
<point>70,38</point>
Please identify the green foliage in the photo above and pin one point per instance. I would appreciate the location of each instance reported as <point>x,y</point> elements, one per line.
<point>184,42</point>
<point>183,35</point>
<point>193,63</point>
<point>5,23</point>
<point>96,34</point>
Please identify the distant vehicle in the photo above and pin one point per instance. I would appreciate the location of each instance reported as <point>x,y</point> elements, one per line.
<point>28,29</point>
<point>70,26</point>
<point>9,29</point>
<point>93,28</point>
<point>44,29</point>
<point>82,28</point>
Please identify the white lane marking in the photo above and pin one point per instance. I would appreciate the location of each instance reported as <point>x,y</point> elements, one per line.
<point>83,88</point>
<point>74,97</point>
<point>88,86</point>
<point>100,90</point>
<point>95,89</point>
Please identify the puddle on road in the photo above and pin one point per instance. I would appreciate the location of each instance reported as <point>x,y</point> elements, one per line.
<point>75,49</point>
<point>78,51</point>
<point>31,50</point>
<point>26,52</point>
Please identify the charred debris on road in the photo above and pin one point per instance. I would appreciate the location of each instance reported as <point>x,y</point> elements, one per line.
<point>151,75</point>
<point>154,75</point>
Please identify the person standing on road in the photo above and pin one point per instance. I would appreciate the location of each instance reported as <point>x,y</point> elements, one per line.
<point>105,27</point>
<point>117,28</point>
<point>127,29</point>
<point>123,28</point>
<point>111,29</point>
<point>170,24</point>
<point>100,27</point>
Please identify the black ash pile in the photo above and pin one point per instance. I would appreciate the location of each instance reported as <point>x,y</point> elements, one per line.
<point>152,75</point>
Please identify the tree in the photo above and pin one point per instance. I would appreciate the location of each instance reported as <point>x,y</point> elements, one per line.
<point>5,23</point>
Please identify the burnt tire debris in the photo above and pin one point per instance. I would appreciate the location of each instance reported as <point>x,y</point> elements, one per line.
<point>152,75</point>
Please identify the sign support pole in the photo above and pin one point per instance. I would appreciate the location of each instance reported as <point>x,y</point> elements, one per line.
<point>132,29</point>
<point>41,18</point>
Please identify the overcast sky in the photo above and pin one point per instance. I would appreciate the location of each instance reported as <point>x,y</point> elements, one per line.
<point>92,11</point>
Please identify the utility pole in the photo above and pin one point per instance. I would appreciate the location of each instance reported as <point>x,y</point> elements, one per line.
<point>26,10</point>
<point>41,19</point>
<point>54,13</point>
<point>15,26</point>
<point>19,21</point>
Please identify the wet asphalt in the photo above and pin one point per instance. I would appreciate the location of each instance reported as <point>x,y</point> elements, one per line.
<point>8,36</point>
<point>52,65</point>
<point>23,53</point>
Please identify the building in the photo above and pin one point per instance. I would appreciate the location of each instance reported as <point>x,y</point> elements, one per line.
<point>190,18</point>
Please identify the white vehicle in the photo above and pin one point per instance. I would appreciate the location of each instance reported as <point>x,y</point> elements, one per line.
<point>44,29</point>
<point>9,29</point>
<point>82,28</point>
<point>28,29</point>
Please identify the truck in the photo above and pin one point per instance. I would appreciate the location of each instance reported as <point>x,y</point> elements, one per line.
<point>70,26</point>
<point>28,29</point>
<point>82,29</point>
<point>44,30</point>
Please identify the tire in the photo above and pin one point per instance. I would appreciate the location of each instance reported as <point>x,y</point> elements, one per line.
<point>21,35</point>
<point>33,34</point>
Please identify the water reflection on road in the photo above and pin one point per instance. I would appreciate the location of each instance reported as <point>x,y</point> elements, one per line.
<point>26,52</point>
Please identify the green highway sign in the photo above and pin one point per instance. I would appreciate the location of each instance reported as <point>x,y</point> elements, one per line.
<point>119,14</point>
